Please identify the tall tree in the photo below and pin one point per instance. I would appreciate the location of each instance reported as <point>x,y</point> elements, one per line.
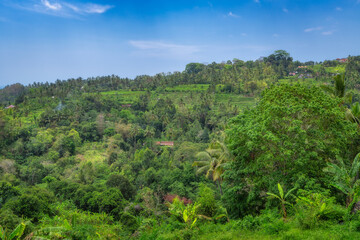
<point>212,160</point>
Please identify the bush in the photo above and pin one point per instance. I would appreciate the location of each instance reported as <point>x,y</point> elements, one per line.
<point>122,183</point>
<point>206,201</point>
<point>274,227</point>
<point>129,221</point>
<point>312,208</point>
<point>354,226</point>
<point>29,206</point>
<point>249,223</point>
<point>8,220</point>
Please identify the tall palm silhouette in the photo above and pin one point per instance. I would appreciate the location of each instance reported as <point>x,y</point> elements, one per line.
<point>212,160</point>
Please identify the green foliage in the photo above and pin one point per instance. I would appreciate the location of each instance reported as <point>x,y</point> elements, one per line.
<point>8,220</point>
<point>312,208</point>
<point>122,183</point>
<point>206,201</point>
<point>7,191</point>
<point>129,222</point>
<point>346,179</point>
<point>74,152</point>
<point>291,132</point>
<point>188,213</point>
<point>15,234</point>
<point>33,204</point>
<point>282,198</point>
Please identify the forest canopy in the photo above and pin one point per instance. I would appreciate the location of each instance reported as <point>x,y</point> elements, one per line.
<point>265,149</point>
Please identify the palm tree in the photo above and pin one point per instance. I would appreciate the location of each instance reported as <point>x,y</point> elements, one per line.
<point>338,90</point>
<point>353,114</point>
<point>212,160</point>
<point>346,180</point>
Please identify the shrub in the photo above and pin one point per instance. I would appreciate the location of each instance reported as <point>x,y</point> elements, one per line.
<point>312,207</point>
<point>129,221</point>
<point>8,220</point>
<point>206,201</point>
<point>122,183</point>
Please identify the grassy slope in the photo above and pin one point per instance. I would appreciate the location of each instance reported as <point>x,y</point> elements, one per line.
<point>187,94</point>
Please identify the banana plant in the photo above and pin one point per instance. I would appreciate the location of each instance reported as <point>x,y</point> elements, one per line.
<point>15,234</point>
<point>282,198</point>
<point>346,179</point>
<point>187,213</point>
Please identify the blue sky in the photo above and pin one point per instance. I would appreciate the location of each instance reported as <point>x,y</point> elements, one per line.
<point>45,40</point>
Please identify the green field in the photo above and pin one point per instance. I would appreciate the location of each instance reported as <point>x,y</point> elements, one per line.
<point>187,94</point>
<point>188,88</point>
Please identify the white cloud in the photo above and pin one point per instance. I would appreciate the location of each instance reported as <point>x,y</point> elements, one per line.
<point>275,35</point>
<point>96,8</point>
<point>244,34</point>
<point>312,29</point>
<point>231,14</point>
<point>338,9</point>
<point>53,6</point>
<point>285,10</point>
<point>258,1</point>
<point>328,32</point>
<point>159,48</point>
<point>72,7</point>
<point>62,8</point>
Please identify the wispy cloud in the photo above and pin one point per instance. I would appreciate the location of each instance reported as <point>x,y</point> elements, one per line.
<point>338,9</point>
<point>312,29</point>
<point>285,10</point>
<point>275,35</point>
<point>96,8</point>
<point>54,6</point>
<point>159,48</point>
<point>328,32</point>
<point>258,1</point>
<point>61,8</point>
<point>244,34</point>
<point>231,14</point>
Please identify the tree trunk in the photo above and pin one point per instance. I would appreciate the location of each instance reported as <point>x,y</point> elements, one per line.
<point>219,183</point>
<point>284,210</point>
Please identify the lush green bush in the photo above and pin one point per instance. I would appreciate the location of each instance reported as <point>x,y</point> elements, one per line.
<point>291,133</point>
<point>206,201</point>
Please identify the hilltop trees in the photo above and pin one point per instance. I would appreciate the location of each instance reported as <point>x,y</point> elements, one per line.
<point>280,60</point>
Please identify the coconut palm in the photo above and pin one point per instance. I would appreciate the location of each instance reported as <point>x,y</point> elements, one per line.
<point>212,160</point>
<point>346,179</point>
<point>353,113</point>
<point>338,90</point>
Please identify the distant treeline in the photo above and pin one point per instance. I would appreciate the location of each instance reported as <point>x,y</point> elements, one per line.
<point>237,76</point>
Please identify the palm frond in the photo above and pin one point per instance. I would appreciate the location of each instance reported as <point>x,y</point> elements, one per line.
<point>355,166</point>
<point>203,169</point>
<point>339,85</point>
<point>203,156</point>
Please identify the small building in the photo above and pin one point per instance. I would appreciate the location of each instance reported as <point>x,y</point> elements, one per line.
<point>9,107</point>
<point>126,105</point>
<point>165,143</point>
<point>292,74</point>
<point>342,60</point>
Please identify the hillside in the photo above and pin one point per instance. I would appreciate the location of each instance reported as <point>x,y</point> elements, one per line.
<point>237,150</point>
